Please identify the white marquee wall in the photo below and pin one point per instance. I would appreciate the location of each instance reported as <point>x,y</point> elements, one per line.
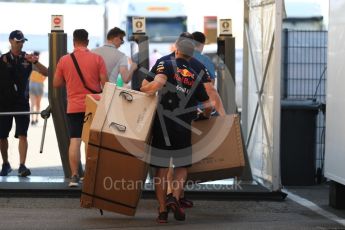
<point>263,21</point>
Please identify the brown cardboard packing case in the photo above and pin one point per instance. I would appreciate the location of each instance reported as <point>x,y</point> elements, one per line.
<point>129,118</point>
<point>91,102</point>
<point>116,165</point>
<point>217,149</point>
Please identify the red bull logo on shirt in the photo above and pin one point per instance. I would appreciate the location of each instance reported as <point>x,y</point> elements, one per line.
<point>185,73</point>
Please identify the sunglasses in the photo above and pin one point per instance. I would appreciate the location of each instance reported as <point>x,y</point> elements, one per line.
<point>19,42</point>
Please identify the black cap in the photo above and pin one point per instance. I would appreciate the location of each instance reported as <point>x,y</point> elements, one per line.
<point>17,35</point>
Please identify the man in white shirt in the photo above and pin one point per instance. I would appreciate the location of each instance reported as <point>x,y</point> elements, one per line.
<point>116,61</point>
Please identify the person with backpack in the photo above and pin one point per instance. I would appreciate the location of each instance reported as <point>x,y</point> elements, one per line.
<point>16,66</point>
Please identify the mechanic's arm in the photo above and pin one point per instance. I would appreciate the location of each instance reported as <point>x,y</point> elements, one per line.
<point>144,82</point>
<point>207,108</point>
<point>215,98</point>
<point>155,85</point>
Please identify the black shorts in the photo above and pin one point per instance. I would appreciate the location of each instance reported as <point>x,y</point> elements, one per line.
<point>176,146</point>
<point>22,125</point>
<point>75,124</point>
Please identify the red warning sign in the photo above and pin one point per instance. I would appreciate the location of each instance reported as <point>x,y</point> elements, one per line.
<point>57,20</point>
<point>57,23</point>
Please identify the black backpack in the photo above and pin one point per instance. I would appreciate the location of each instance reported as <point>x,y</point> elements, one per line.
<point>9,92</point>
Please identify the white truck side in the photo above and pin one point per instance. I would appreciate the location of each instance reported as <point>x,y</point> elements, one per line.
<point>335,111</point>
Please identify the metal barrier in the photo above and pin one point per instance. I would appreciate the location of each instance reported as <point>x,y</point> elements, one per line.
<point>45,114</point>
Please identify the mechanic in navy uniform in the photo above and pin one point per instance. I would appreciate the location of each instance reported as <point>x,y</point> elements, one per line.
<point>201,70</point>
<point>180,89</point>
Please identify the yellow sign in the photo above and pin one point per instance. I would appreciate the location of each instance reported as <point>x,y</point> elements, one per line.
<point>225,27</point>
<point>138,25</point>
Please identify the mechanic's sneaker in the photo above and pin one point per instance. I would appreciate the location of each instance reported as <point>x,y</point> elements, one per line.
<point>23,171</point>
<point>6,169</point>
<point>74,182</point>
<point>162,217</point>
<point>173,205</point>
<point>185,203</point>
<point>169,199</point>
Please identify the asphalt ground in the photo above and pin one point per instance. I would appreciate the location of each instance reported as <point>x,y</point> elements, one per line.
<point>304,208</point>
<point>65,213</point>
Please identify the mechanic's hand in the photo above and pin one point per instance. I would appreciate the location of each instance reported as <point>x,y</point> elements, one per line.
<point>201,116</point>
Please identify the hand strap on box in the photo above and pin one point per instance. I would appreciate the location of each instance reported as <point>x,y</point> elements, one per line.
<point>119,127</point>
<point>126,95</point>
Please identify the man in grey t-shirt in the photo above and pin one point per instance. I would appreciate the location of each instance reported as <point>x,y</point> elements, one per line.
<point>115,61</point>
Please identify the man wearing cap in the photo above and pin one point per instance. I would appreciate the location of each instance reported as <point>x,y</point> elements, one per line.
<point>180,89</point>
<point>94,73</point>
<point>203,72</point>
<point>199,68</point>
<point>19,65</point>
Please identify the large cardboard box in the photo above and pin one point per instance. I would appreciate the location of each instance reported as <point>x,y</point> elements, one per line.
<point>91,102</point>
<point>117,153</point>
<point>217,149</point>
<point>113,180</point>
<point>123,120</point>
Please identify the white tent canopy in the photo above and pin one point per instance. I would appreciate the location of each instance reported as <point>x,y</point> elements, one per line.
<point>261,88</point>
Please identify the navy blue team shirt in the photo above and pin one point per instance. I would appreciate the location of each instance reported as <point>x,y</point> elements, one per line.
<point>20,69</point>
<point>181,93</point>
<point>195,65</point>
<point>176,109</point>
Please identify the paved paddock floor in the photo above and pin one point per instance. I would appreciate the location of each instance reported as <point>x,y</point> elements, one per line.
<point>308,210</point>
<point>65,213</point>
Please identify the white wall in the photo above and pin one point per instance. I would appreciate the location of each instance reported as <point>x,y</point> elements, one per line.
<point>335,111</point>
